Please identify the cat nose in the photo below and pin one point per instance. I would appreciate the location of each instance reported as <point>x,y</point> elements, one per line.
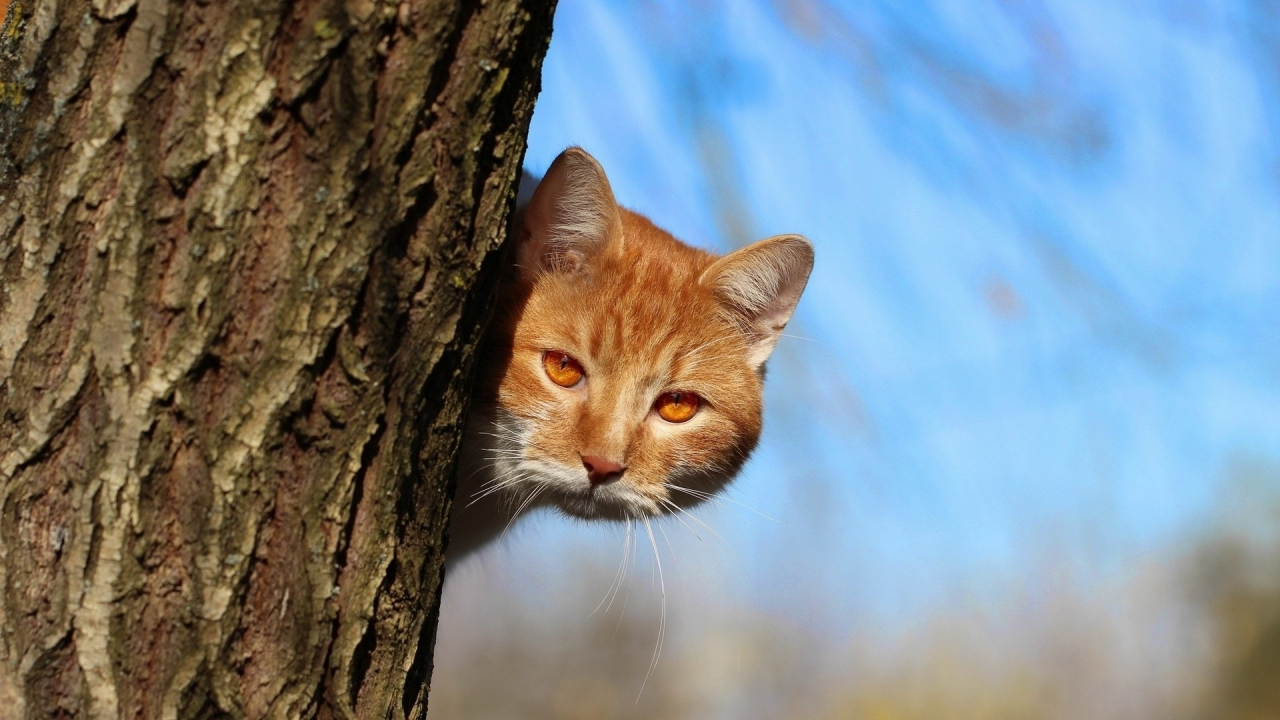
<point>601,471</point>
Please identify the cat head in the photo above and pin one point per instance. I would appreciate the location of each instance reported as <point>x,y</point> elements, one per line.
<point>627,368</point>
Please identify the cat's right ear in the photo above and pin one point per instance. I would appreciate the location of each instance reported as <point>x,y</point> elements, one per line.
<point>571,216</point>
<point>759,286</point>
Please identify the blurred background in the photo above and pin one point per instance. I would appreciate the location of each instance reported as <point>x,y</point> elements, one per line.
<point>1022,451</point>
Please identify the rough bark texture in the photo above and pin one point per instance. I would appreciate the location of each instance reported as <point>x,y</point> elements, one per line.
<point>246,247</point>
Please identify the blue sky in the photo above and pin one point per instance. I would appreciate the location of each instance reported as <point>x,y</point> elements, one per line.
<point>1043,321</point>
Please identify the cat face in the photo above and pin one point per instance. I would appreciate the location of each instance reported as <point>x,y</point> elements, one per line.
<point>624,369</point>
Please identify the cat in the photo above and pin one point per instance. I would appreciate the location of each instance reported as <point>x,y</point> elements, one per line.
<point>621,377</point>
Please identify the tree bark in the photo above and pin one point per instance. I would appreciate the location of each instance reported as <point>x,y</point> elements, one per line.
<point>246,251</point>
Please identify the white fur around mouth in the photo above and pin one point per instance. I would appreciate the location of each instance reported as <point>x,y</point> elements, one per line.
<point>571,491</point>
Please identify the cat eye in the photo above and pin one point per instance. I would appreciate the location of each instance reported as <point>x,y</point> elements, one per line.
<point>562,369</point>
<point>678,406</point>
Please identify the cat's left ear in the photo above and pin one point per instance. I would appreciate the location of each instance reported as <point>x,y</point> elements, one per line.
<point>760,285</point>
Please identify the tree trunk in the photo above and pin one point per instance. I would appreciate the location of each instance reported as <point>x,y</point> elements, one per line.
<point>246,251</point>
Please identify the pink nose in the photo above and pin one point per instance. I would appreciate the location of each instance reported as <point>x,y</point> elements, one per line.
<point>601,471</point>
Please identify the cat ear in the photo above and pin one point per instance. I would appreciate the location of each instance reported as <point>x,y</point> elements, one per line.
<point>571,215</point>
<point>760,285</point>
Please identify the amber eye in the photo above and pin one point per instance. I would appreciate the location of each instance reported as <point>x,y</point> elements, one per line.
<point>562,369</point>
<point>677,407</point>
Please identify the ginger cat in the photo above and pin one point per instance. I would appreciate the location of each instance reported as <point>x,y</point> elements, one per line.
<point>622,375</point>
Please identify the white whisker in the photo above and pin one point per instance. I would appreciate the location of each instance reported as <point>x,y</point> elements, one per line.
<point>635,549</point>
<point>536,492</point>
<point>701,495</point>
<point>674,558</point>
<point>678,509</point>
<point>617,577</point>
<point>485,492</point>
<point>662,617</point>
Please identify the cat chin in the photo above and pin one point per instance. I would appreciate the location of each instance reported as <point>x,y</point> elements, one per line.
<point>606,503</point>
